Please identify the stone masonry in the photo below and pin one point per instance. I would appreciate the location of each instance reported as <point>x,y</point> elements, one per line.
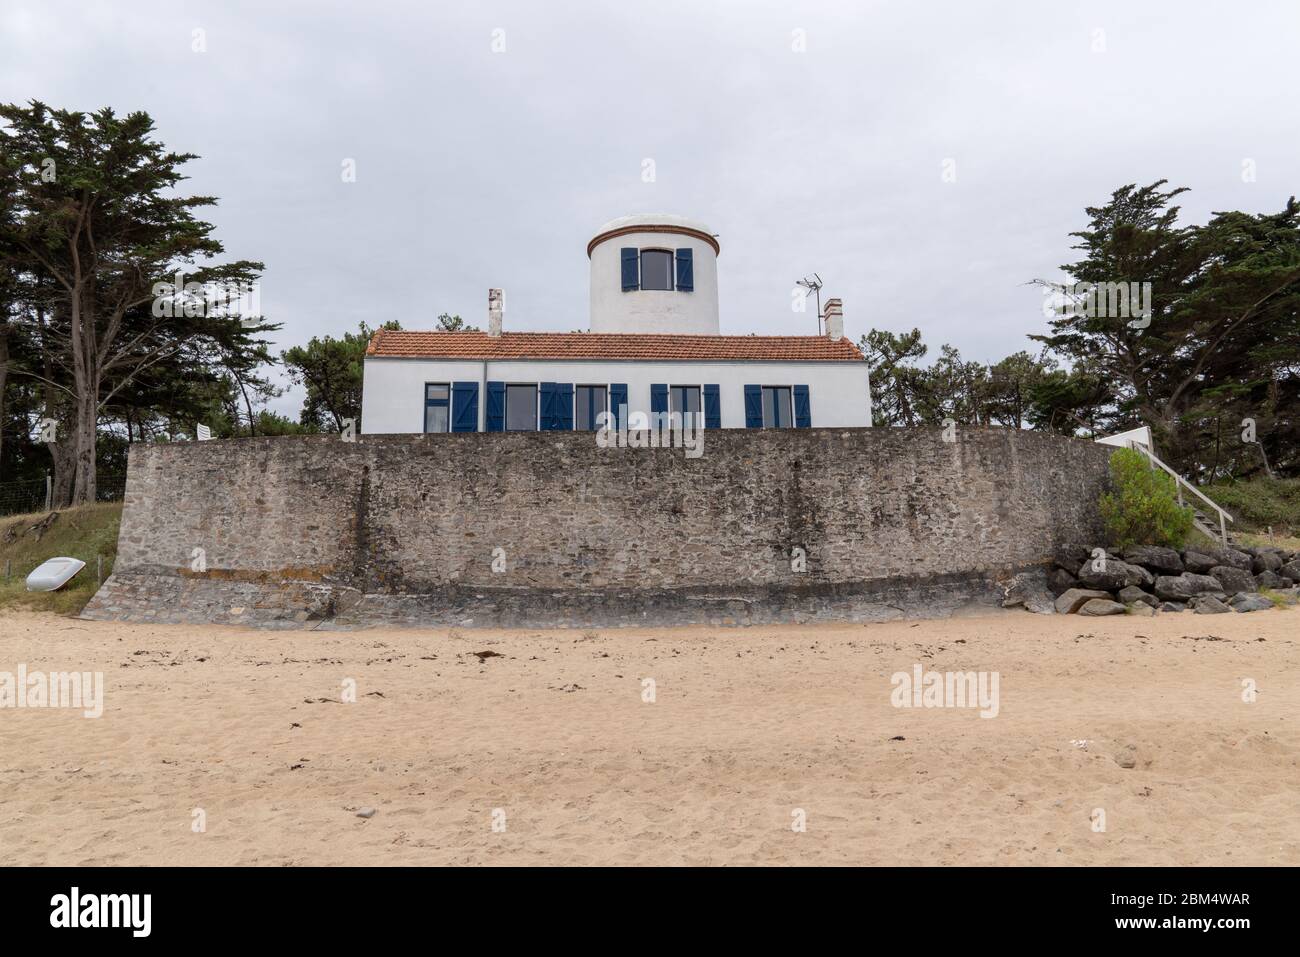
<point>547,528</point>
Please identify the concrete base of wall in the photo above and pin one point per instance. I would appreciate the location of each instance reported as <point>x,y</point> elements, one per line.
<point>168,599</point>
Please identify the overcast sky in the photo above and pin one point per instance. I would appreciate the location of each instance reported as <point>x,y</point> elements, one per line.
<point>808,136</point>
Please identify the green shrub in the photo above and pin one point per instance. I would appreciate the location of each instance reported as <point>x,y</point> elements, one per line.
<point>1142,507</point>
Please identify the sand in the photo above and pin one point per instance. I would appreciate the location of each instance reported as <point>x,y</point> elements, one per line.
<point>553,744</point>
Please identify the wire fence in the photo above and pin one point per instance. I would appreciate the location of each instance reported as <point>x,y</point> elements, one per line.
<point>33,495</point>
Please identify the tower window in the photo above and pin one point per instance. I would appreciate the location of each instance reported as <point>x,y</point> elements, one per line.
<point>656,269</point>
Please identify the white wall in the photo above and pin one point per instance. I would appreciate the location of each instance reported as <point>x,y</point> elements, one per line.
<point>656,311</point>
<point>393,389</point>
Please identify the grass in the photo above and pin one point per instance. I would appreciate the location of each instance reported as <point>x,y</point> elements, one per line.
<point>83,533</point>
<point>1261,504</point>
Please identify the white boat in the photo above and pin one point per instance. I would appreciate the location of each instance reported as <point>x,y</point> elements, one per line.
<point>54,574</point>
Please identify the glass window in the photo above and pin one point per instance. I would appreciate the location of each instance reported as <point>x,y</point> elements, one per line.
<point>437,410</point>
<point>776,407</point>
<point>684,399</point>
<point>656,269</point>
<point>589,402</point>
<point>521,408</point>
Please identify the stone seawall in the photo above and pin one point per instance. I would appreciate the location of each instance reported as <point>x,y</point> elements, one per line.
<point>548,528</point>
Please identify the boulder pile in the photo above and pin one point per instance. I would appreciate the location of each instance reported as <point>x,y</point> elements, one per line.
<point>1147,579</point>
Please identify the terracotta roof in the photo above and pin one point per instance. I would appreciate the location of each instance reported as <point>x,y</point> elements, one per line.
<point>601,345</point>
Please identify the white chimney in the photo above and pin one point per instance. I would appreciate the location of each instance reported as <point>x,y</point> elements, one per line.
<point>834,315</point>
<point>496,306</point>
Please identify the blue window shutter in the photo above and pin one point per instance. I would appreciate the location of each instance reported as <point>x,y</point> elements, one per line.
<point>685,271</point>
<point>496,406</point>
<point>802,408</point>
<point>753,406</point>
<point>630,266</point>
<point>659,397</point>
<point>617,399</point>
<point>546,393</point>
<point>712,407</point>
<point>564,406</point>
<point>464,407</point>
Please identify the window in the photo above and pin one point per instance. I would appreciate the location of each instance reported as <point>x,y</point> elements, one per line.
<point>521,408</point>
<point>437,407</point>
<point>656,269</point>
<point>589,403</point>
<point>776,407</point>
<point>685,399</point>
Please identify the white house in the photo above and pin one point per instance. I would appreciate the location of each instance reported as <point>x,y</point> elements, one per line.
<point>654,346</point>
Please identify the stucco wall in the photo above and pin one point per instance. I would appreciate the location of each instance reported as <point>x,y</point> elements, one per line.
<point>582,526</point>
<point>646,310</point>
<point>393,389</point>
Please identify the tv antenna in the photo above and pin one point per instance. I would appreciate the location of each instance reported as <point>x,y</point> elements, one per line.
<point>813,284</point>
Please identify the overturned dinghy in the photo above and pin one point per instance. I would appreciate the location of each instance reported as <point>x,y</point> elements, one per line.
<point>54,574</point>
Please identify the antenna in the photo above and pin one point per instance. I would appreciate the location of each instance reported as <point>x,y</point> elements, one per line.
<point>813,284</point>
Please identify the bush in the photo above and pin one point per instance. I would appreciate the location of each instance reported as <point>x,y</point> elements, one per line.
<point>1142,508</point>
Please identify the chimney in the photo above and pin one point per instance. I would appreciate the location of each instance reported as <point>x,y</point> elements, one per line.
<point>834,315</point>
<point>496,306</point>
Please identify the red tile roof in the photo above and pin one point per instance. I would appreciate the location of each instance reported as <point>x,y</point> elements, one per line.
<point>601,345</point>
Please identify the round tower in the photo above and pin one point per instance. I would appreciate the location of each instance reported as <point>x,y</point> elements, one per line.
<point>654,273</point>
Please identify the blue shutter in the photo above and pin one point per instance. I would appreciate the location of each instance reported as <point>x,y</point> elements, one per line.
<point>712,406</point>
<point>630,263</point>
<point>464,407</point>
<point>564,406</point>
<point>659,397</point>
<point>546,393</point>
<point>685,271</point>
<point>496,406</point>
<point>617,399</point>
<point>753,406</point>
<point>802,409</point>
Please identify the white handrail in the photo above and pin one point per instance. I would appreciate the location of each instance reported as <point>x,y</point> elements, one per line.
<point>1182,481</point>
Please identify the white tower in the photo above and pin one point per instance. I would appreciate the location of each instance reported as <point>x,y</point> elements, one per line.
<point>654,273</point>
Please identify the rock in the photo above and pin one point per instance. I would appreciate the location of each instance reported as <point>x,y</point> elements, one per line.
<point>1070,557</point>
<point>1141,609</point>
<point>1290,570</point>
<point>1197,562</point>
<point>1265,560</point>
<point>366,812</point>
<point>1233,579</point>
<point>1155,558</point>
<point>1030,590</point>
<point>1137,575</point>
<point>1230,557</point>
<point>1209,605</point>
<point>1268,579</point>
<point>1059,581</point>
<point>1172,606</point>
<point>1097,607</point>
<point>1185,586</point>
<point>1075,598</point>
<point>1105,573</point>
<point>1127,758</point>
<point>1243,602</point>
<point>1131,593</point>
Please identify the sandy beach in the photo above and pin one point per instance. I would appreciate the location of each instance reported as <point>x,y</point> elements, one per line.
<point>539,747</point>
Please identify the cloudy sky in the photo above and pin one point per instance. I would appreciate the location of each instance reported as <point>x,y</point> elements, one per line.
<point>491,139</point>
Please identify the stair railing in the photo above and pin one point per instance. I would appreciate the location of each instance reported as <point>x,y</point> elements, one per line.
<point>1182,483</point>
